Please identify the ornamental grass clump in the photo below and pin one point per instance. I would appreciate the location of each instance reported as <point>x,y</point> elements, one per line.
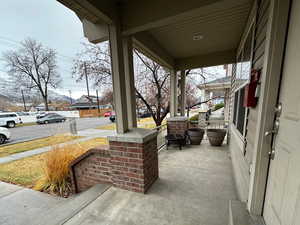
<point>56,176</point>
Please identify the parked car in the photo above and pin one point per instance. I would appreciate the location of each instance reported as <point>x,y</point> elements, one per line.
<point>51,118</point>
<point>4,135</point>
<point>145,115</point>
<point>108,114</point>
<point>9,119</point>
<point>41,115</point>
<point>112,117</point>
<point>23,113</point>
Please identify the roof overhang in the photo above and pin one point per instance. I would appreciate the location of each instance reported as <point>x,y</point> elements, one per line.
<point>166,30</point>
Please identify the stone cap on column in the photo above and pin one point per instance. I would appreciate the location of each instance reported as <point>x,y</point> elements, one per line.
<point>135,135</point>
<point>177,118</point>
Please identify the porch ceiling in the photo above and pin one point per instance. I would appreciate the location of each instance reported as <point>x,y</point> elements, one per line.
<point>170,26</point>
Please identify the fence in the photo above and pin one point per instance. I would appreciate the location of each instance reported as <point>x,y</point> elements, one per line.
<point>92,112</point>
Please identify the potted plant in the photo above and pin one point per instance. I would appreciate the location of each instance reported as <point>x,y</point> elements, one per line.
<point>195,135</point>
<point>216,136</point>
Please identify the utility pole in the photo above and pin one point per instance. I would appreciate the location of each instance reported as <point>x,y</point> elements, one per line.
<point>86,79</point>
<point>70,93</point>
<point>98,103</point>
<point>23,100</point>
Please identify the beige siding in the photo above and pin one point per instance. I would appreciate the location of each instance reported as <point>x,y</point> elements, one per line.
<point>258,60</point>
<point>242,159</point>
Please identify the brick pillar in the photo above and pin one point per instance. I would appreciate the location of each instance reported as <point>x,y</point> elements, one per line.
<point>177,125</point>
<point>134,159</point>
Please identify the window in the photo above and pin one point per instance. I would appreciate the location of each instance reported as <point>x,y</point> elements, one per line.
<point>242,77</point>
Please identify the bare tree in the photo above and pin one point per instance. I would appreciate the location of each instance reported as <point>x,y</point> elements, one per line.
<point>95,61</point>
<point>151,79</point>
<point>152,87</point>
<point>33,66</point>
<point>107,97</point>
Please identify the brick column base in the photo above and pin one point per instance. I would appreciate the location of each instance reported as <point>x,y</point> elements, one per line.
<point>134,159</point>
<point>177,125</point>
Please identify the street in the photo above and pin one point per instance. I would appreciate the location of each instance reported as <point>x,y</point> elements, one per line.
<point>39,131</point>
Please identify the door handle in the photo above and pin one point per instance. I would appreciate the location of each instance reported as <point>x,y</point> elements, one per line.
<point>274,130</point>
<point>268,133</point>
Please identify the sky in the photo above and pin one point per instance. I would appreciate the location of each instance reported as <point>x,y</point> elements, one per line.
<point>55,26</point>
<point>50,23</point>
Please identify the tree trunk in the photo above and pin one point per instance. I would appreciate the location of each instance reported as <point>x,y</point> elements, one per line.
<point>45,98</point>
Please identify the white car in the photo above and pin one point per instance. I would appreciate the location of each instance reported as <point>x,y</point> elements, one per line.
<point>4,135</point>
<point>9,119</point>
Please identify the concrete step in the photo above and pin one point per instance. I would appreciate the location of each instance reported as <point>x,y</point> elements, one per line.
<point>239,215</point>
<point>65,211</point>
<point>18,206</point>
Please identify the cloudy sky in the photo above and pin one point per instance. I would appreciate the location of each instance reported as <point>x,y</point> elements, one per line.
<point>56,27</point>
<point>50,23</point>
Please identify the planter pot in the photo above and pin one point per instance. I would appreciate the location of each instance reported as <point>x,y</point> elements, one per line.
<point>196,135</point>
<point>216,136</point>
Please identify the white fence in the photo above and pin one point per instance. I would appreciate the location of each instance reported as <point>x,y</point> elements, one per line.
<point>32,118</point>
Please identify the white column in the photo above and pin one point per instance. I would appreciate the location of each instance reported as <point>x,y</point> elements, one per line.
<point>118,77</point>
<point>173,94</point>
<point>183,92</point>
<point>129,82</point>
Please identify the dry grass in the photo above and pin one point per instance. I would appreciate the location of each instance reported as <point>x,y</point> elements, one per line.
<point>56,163</point>
<point>30,145</point>
<point>25,124</point>
<point>147,123</point>
<point>30,171</point>
<point>24,172</point>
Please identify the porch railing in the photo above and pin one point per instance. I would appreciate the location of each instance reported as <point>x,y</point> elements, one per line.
<point>162,132</point>
<point>210,124</point>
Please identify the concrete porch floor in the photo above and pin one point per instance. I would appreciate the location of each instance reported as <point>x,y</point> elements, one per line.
<point>194,187</point>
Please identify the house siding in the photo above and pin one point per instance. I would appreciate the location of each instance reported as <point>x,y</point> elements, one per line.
<point>242,148</point>
<point>258,60</point>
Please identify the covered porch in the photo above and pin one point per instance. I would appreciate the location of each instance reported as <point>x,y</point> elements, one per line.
<point>194,187</point>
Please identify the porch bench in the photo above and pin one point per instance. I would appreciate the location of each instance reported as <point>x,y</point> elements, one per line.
<point>176,139</point>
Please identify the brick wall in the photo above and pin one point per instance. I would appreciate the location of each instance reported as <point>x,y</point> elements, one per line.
<point>134,165</point>
<point>177,127</point>
<point>130,166</point>
<point>91,168</point>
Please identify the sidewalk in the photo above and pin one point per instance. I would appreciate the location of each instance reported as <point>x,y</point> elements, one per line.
<point>87,135</point>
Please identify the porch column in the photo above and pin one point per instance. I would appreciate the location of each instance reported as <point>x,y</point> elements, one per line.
<point>173,94</point>
<point>129,82</point>
<point>183,92</point>
<point>118,78</point>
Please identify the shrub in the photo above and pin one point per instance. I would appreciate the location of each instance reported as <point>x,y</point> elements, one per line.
<point>194,118</point>
<point>56,177</point>
<point>219,106</point>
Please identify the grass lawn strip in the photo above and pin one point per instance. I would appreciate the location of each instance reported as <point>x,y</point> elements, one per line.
<point>34,144</point>
<point>146,123</point>
<point>27,171</point>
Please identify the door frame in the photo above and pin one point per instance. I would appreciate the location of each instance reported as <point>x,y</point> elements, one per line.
<point>270,84</point>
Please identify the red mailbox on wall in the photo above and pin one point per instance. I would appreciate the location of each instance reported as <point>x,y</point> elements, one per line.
<point>250,99</point>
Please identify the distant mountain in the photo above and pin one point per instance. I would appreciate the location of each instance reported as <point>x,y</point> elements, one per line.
<point>9,93</point>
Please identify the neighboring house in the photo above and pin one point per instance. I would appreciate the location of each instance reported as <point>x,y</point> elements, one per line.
<point>219,91</point>
<point>88,102</point>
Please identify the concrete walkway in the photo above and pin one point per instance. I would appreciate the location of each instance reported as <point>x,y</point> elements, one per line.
<point>22,206</point>
<point>86,134</point>
<point>194,187</point>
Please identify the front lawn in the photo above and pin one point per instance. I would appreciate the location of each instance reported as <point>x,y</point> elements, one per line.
<point>147,123</point>
<point>34,144</point>
<point>26,172</point>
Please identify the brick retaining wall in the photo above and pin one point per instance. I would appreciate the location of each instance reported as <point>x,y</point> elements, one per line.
<point>177,126</point>
<point>130,166</point>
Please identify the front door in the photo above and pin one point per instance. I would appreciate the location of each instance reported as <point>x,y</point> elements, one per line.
<point>282,203</point>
